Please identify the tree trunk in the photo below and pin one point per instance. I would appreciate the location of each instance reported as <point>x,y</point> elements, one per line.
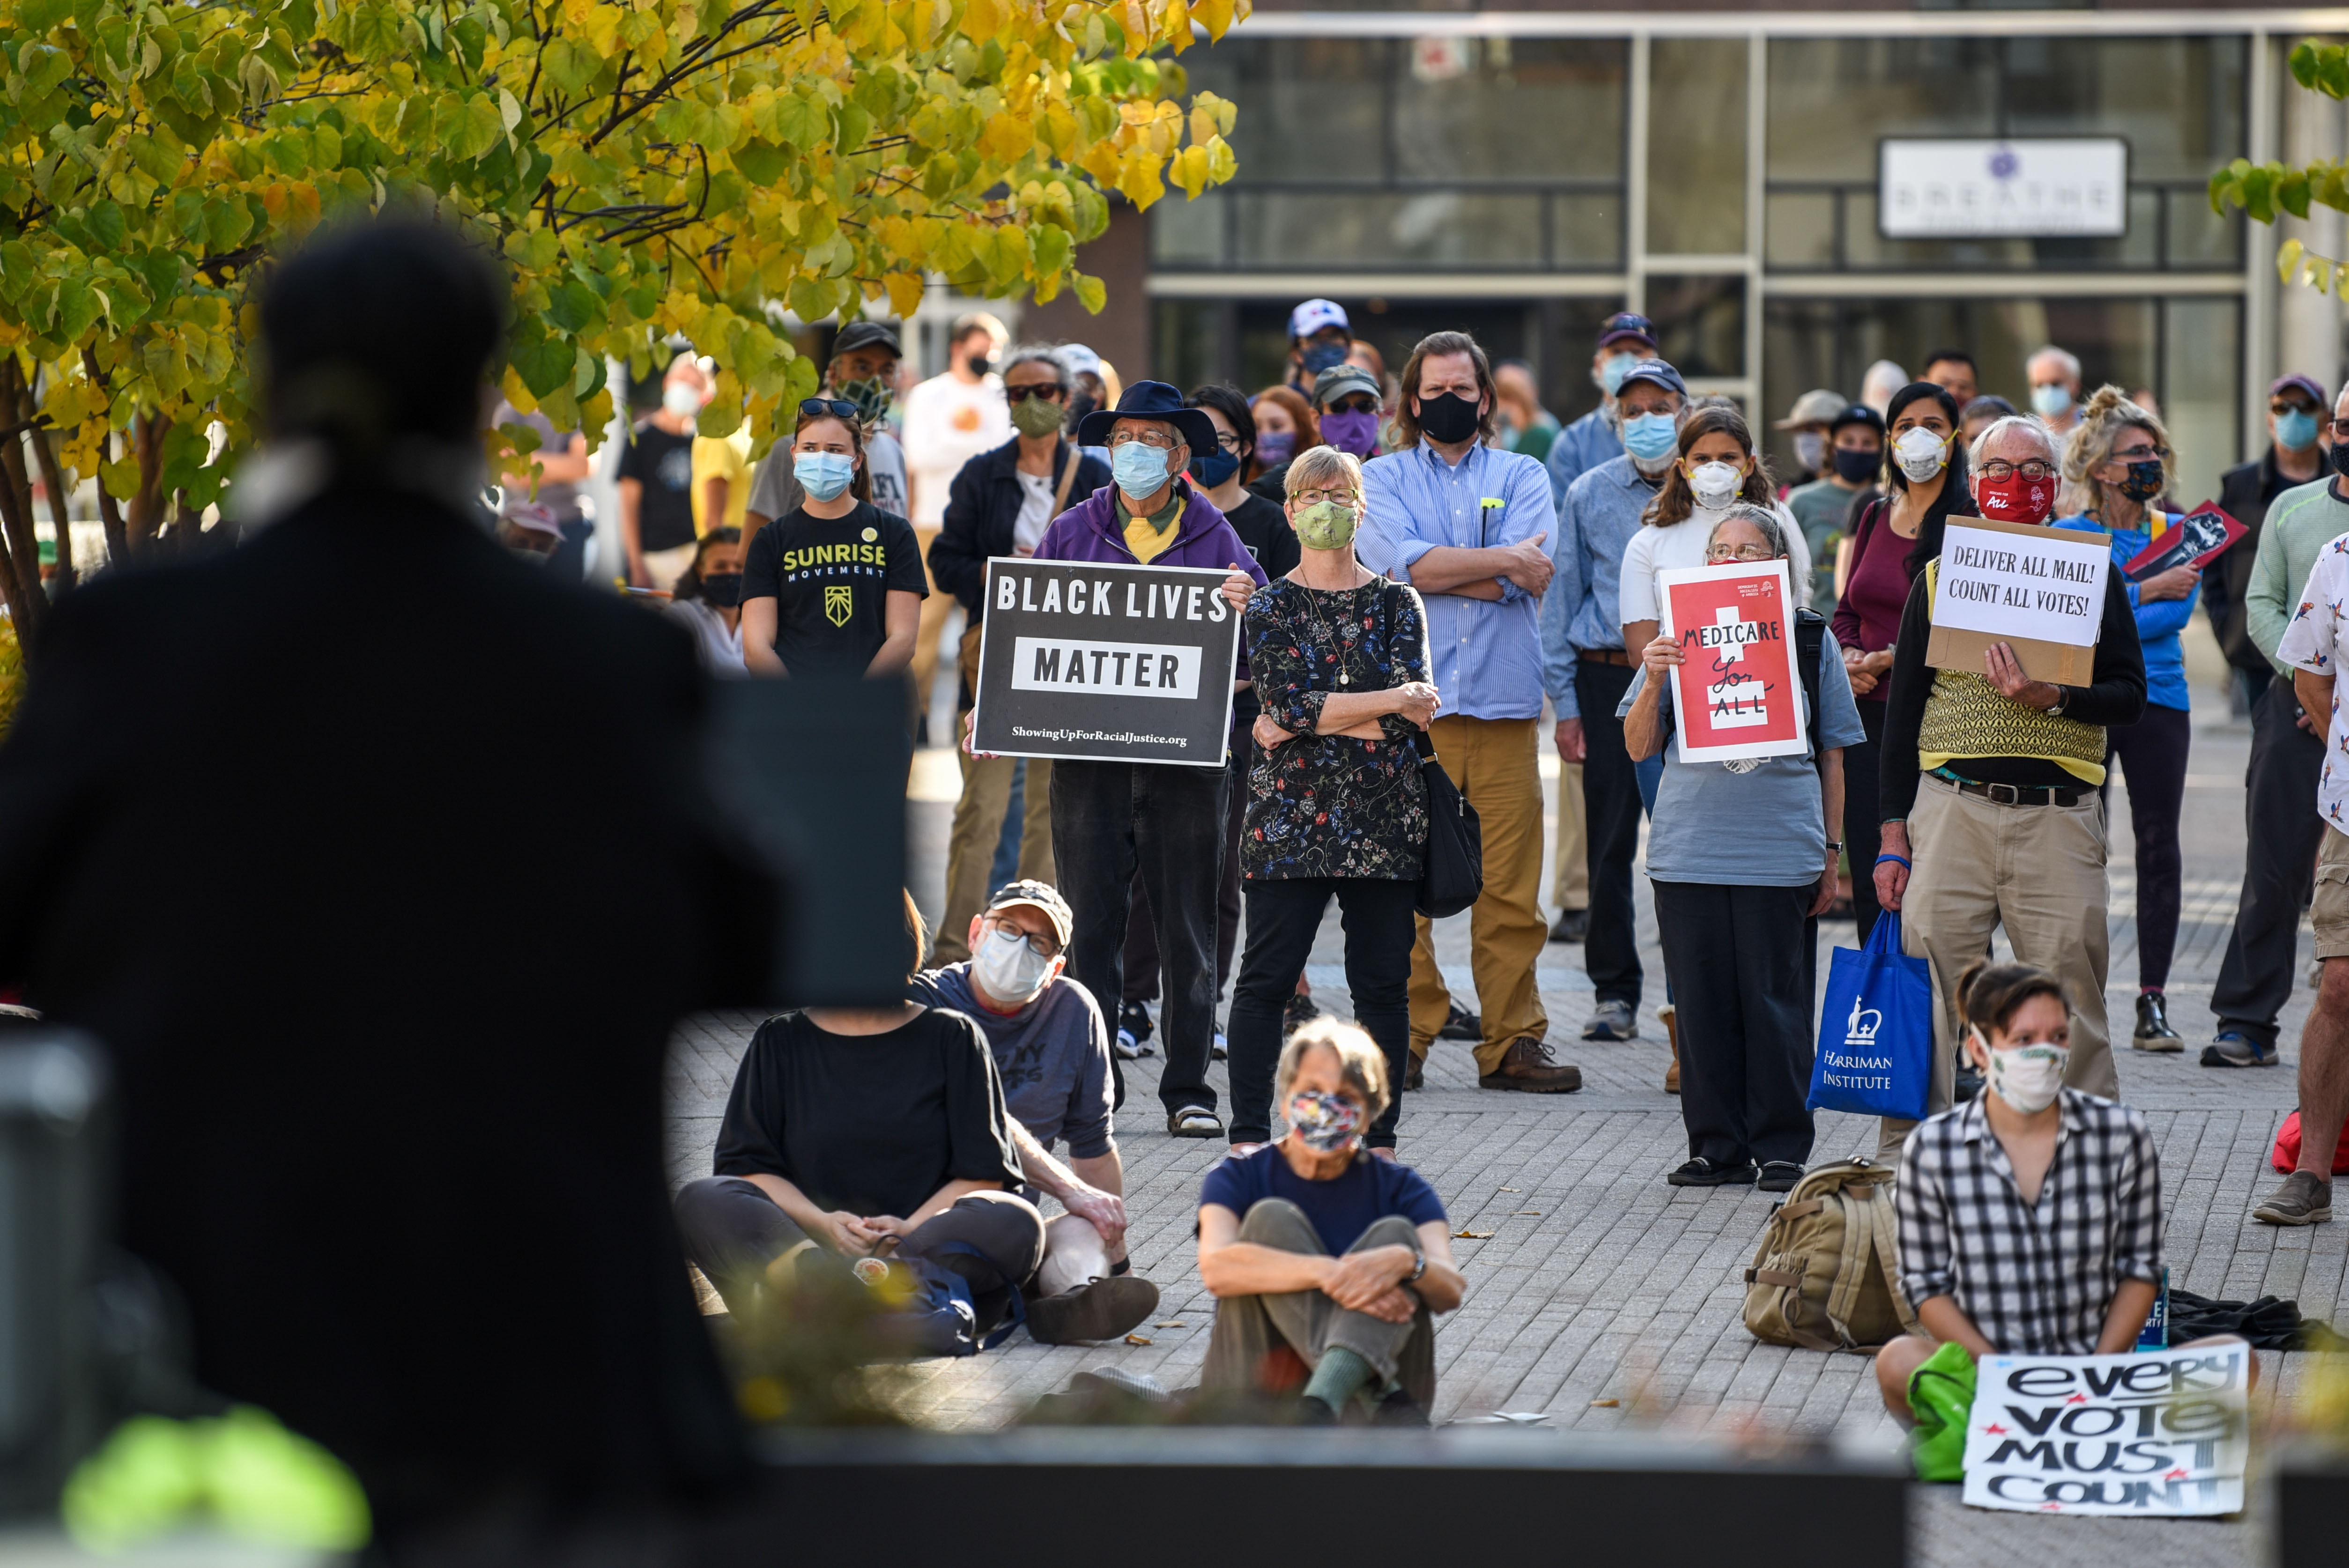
<point>109,515</point>
<point>26,604</point>
<point>52,479</point>
<point>146,518</point>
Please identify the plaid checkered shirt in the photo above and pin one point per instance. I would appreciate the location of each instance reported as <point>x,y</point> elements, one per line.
<point>2035,1279</point>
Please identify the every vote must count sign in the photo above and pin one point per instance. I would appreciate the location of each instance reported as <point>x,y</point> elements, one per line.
<point>1736,694</point>
<point>1105,663</point>
<point>2163,1432</point>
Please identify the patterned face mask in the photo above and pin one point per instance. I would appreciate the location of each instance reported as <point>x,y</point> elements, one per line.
<point>1327,1122</point>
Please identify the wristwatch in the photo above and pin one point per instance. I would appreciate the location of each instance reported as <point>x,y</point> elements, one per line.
<point>1418,1267</point>
<point>1834,846</point>
<point>2063,697</point>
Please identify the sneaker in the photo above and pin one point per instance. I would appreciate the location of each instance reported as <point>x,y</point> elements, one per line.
<point>1705,1173</point>
<point>1399,1410</point>
<point>1098,1309</point>
<point>1295,1013</point>
<point>2153,1030</point>
<point>2302,1200</point>
<point>1573,925</point>
<point>1528,1067</point>
<point>1221,1050</point>
<point>1459,1023</point>
<point>1612,1021</point>
<point>1133,1030</point>
<point>2234,1048</point>
<point>1779,1176</point>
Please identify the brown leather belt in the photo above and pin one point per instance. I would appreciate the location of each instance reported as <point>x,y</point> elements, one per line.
<point>1603,657</point>
<point>2016,794</point>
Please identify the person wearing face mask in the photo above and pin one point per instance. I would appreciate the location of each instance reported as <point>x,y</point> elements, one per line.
<point>1470,527</point>
<point>1319,338</point>
<point>1987,791</point>
<point>1806,425</point>
<point>1285,427</point>
<point>655,479</point>
<point>1336,805</point>
<point>834,588</point>
<point>1625,339</point>
<point>1051,1053</point>
<point>863,371</point>
<point>2029,1218</point>
<point>1853,453</point>
<point>1586,671</point>
<point>954,415</point>
<point>1718,468</point>
<point>2054,378</point>
<point>1315,1245</point>
<point>1891,539</point>
<point>2115,467</point>
<point>1346,411</point>
<point>707,599</point>
<point>2299,432</point>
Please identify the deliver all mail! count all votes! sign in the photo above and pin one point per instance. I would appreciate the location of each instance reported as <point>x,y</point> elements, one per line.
<point>1105,663</point>
<point>2042,584</point>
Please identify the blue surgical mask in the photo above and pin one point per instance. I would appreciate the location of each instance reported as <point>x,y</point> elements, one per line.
<point>1652,437</point>
<point>1140,470</point>
<point>824,475</point>
<point>2296,431</point>
<point>2050,400</point>
<point>1612,370</point>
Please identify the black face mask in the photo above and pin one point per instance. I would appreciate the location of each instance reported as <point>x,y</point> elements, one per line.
<point>2340,458</point>
<point>2144,481</point>
<point>1447,417</point>
<point>1858,467</point>
<point>1080,405</point>
<point>981,364</point>
<point>723,589</point>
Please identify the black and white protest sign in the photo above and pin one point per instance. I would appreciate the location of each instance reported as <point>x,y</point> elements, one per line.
<point>2160,1432</point>
<point>1105,663</point>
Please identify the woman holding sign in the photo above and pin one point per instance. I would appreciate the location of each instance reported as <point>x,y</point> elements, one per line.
<point>2115,464</point>
<point>1739,854</point>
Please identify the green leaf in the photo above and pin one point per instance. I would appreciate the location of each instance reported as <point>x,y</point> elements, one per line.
<point>573,308</point>
<point>800,121</point>
<point>1092,292</point>
<point>2303,64</point>
<point>543,366</point>
<point>762,163</point>
<point>34,17</point>
<point>43,67</point>
<point>106,225</point>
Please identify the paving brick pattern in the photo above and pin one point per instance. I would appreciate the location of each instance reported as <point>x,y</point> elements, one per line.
<point>1600,1282</point>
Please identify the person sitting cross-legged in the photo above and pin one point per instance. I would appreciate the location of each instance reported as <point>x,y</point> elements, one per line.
<point>1051,1053</point>
<point>1315,1246</point>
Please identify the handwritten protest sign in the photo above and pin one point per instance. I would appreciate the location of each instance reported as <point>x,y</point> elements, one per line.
<point>2166,1433</point>
<point>1735,693</point>
<point>1105,663</point>
<point>2041,591</point>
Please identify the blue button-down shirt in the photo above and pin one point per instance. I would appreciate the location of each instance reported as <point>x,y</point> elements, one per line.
<point>1581,448</point>
<point>1484,655</point>
<point>1581,609</point>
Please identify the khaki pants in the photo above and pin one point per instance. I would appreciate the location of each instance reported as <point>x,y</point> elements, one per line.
<point>977,827</point>
<point>1250,1328</point>
<point>2038,872</point>
<point>935,609</point>
<point>1494,763</point>
<point>1570,886</point>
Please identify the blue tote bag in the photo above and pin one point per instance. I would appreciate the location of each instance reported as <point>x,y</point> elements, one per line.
<point>1876,1031</point>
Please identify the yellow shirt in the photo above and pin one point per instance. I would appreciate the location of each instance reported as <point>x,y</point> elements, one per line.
<point>1148,537</point>
<point>726,458</point>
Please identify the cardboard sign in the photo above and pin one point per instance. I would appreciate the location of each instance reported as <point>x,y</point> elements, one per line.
<point>2041,591</point>
<point>1105,663</point>
<point>2198,538</point>
<point>1735,693</point>
<point>2166,1433</point>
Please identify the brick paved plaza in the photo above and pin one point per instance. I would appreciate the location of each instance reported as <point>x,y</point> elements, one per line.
<point>1599,1282</point>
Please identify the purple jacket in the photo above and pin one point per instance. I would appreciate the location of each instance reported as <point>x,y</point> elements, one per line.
<point>1090,531</point>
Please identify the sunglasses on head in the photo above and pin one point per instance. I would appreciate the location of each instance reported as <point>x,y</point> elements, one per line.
<point>818,408</point>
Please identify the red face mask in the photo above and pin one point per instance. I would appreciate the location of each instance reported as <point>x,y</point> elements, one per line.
<point>2017,500</point>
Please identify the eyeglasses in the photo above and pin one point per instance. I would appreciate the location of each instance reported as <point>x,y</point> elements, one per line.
<point>1315,497</point>
<point>2141,454</point>
<point>2280,410</point>
<point>1354,403</point>
<point>832,408</point>
<point>1153,438</point>
<point>1043,948</point>
<point>1048,390</point>
<point>1228,444</point>
<point>1998,470</point>
<point>1720,555</point>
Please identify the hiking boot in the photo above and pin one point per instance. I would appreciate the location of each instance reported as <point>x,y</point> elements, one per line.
<point>2302,1200</point>
<point>1669,1016</point>
<point>1415,1076</point>
<point>1703,1172</point>
<point>1459,1023</point>
<point>1133,1031</point>
<point>1612,1021</point>
<point>2236,1049</point>
<point>1573,925</point>
<point>1295,1013</point>
<point>1098,1309</point>
<point>2153,1030</point>
<point>1528,1065</point>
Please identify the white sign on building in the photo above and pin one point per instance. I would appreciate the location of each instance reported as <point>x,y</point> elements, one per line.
<point>1958,190</point>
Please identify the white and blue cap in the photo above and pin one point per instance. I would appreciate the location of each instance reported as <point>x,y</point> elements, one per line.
<point>1313,315</point>
<point>1657,371</point>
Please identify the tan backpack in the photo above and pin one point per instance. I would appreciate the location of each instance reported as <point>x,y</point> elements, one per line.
<point>1824,1276</point>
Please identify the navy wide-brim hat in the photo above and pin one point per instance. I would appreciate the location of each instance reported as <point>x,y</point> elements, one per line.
<point>1149,400</point>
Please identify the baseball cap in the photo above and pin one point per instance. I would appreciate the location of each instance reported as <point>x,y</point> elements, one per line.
<point>1654,370</point>
<point>1858,413</point>
<point>859,335</point>
<point>1080,360</point>
<point>1040,895</point>
<point>2305,384</point>
<point>1626,324</point>
<point>1814,409</point>
<point>1314,315</point>
<point>1339,380</point>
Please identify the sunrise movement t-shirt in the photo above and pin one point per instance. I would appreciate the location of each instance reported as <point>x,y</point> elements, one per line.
<point>831,578</point>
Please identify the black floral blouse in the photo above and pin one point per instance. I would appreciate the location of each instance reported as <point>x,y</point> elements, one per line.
<point>1334,805</point>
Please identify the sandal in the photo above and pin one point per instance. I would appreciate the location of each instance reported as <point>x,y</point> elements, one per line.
<point>1194,1121</point>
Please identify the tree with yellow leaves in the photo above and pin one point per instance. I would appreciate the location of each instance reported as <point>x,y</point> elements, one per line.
<point>646,168</point>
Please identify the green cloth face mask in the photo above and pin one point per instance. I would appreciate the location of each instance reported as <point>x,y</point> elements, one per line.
<point>1036,416</point>
<point>1326,525</point>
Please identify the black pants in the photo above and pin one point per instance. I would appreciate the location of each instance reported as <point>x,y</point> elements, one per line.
<point>732,1231</point>
<point>2283,831</point>
<point>1863,817</point>
<point>1142,932</point>
<point>1110,820</point>
<point>1736,957</point>
<point>1611,798</point>
<point>1283,915</point>
<point>2153,753</point>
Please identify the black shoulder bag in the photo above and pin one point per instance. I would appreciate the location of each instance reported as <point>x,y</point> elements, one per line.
<point>1451,872</point>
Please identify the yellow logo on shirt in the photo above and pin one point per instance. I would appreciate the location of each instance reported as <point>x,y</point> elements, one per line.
<point>871,534</point>
<point>838,603</point>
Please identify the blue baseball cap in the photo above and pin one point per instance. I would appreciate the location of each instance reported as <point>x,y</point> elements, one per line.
<point>1654,370</point>
<point>1626,324</point>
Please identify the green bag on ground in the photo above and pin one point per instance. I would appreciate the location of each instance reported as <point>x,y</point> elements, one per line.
<point>1941,1397</point>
